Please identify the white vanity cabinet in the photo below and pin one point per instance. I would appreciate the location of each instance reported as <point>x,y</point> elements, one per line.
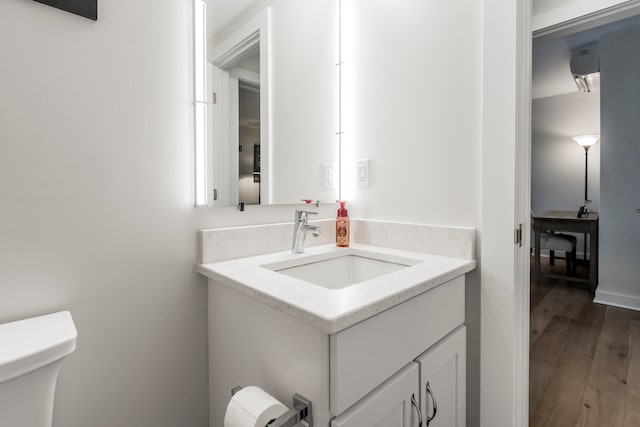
<point>443,382</point>
<point>393,404</point>
<point>362,376</point>
<point>436,379</point>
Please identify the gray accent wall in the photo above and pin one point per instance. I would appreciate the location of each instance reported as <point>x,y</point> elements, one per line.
<point>619,279</point>
<point>557,161</point>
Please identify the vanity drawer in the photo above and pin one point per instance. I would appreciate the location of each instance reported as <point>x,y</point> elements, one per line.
<point>365,355</point>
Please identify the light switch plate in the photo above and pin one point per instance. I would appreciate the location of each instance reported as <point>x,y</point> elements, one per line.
<point>329,175</point>
<point>363,173</point>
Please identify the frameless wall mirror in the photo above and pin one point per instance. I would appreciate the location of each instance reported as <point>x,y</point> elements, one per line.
<point>271,100</point>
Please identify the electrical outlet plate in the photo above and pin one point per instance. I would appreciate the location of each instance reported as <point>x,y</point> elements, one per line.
<point>363,176</point>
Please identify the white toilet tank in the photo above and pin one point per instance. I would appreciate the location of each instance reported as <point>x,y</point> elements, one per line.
<point>31,352</point>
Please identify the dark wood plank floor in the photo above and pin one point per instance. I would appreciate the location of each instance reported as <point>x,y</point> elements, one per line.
<point>584,367</point>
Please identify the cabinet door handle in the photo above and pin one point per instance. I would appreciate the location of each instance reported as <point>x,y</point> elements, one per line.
<point>435,404</point>
<point>415,405</point>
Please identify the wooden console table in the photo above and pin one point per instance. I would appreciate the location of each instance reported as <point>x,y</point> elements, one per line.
<point>568,221</point>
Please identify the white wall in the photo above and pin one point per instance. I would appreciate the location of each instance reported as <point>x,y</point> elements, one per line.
<point>413,95</point>
<point>557,161</point>
<point>97,216</point>
<point>416,94</point>
<point>619,282</point>
<point>505,203</point>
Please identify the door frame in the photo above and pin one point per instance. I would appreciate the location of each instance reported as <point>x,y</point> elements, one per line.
<point>583,19</point>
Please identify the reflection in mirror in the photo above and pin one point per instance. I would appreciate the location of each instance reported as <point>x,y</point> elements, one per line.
<point>249,142</point>
<point>240,112</point>
<point>272,101</point>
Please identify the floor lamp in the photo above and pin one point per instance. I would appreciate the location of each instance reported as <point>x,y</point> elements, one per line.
<point>586,141</point>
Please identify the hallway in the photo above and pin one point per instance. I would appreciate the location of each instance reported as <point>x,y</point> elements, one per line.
<point>584,360</point>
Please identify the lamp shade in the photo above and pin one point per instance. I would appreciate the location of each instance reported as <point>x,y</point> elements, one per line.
<point>587,140</point>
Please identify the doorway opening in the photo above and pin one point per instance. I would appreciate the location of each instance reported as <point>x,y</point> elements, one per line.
<point>249,142</point>
<point>581,360</point>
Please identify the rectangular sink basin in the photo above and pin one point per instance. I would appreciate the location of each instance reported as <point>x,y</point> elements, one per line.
<point>342,269</point>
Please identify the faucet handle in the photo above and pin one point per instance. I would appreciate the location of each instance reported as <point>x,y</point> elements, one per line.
<point>301,215</point>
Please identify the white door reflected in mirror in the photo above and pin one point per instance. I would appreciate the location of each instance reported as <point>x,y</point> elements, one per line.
<point>272,101</point>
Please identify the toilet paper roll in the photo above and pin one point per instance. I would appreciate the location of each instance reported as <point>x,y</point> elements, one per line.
<point>252,407</point>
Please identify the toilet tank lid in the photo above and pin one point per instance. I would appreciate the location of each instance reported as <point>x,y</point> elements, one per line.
<point>29,344</point>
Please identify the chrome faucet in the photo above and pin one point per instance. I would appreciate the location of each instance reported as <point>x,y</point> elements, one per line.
<point>300,228</point>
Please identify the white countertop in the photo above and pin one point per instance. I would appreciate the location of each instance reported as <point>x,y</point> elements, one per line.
<point>333,310</point>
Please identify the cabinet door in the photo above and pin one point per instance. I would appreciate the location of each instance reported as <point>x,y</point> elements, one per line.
<point>389,405</point>
<point>443,382</point>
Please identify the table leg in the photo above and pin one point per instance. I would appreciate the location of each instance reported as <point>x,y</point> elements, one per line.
<point>593,262</point>
<point>536,263</point>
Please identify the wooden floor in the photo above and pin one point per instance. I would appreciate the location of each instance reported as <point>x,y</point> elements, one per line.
<point>584,367</point>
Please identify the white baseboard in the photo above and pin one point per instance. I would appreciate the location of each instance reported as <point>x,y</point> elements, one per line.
<point>631,302</point>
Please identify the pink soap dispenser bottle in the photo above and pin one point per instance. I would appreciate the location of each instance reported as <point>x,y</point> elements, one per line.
<point>342,226</point>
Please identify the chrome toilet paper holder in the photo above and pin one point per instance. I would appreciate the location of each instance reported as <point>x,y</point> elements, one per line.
<point>301,412</point>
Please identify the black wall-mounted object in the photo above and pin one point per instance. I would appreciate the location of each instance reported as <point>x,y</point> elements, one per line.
<point>86,8</point>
